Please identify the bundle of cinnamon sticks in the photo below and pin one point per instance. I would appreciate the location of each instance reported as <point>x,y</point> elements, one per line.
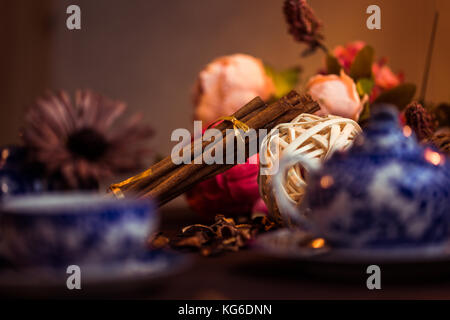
<point>165,180</point>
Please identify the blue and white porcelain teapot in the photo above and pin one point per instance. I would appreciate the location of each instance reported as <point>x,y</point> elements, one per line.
<point>385,192</point>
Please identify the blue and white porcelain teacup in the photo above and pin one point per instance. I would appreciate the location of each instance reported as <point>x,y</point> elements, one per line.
<point>385,192</point>
<point>73,228</point>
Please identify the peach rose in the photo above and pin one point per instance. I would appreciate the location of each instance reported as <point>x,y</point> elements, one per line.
<point>227,83</point>
<point>336,95</point>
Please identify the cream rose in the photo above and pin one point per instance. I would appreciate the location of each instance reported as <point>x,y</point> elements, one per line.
<point>227,83</point>
<point>336,95</point>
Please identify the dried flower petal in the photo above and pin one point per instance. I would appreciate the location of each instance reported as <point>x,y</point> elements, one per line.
<point>195,241</point>
<point>441,140</point>
<point>158,241</point>
<point>420,121</point>
<point>262,222</point>
<point>197,227</point>
<point>222,235</point>
<point>303,24</point>
<point>245,233</point>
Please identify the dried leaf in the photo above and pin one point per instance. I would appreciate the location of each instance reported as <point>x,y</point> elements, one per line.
<point>197,227</point>
<point>226,231</point>
<point>195,241</point>
<point>223,235</point>
<point>159,241</point>
<point>245,233</point>
<point>243,226</point>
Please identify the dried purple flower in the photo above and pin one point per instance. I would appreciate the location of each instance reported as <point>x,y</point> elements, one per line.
<point>304,25</point>
<point>79,143</point>
<point>441,140</point>
<point>420,121</point>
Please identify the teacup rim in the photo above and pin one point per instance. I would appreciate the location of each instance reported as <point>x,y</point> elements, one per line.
<point>65,203</point>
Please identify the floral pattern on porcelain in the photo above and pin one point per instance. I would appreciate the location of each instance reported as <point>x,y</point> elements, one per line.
<point>384,192</point>
<point>98,232</point>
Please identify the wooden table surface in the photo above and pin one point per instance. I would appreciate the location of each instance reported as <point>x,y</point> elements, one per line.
<point>250,275</point>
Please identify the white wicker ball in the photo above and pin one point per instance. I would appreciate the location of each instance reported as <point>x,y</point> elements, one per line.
<point>312,136</point>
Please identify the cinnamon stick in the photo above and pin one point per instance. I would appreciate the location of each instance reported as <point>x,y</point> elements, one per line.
<point>257,122</point>
<point>166,165</point>
<point>167,180</point>
<point>207,172</point>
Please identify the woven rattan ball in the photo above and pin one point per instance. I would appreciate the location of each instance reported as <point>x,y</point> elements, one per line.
<point>314,137</point>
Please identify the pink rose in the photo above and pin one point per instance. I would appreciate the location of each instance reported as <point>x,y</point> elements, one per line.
<point>336,95</point>
<point>228,83</point>
<point>231,193</point>
<point>384,77</point>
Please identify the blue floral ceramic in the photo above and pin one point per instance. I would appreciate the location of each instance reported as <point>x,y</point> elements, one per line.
<point>385,192</point>
<point>17,176</point>
<point>78,228</point>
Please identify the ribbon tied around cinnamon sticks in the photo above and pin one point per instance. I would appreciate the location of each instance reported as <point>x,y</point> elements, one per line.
<point>237,125</point>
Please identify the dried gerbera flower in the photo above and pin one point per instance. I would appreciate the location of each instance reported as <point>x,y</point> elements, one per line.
<point>78,142</point>
<point>420,121</point>
<point>304,25</point>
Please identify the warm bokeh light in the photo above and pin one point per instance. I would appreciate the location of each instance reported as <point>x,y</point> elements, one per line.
<point>5,154</point>
<point>326,181</point>
<point>4,188</point>
<point>318,243</point>
<point>407,131</point>
<point>434,157</point>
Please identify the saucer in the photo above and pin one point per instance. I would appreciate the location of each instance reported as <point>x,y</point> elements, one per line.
<point>285,243</point>
<point>287,250</point>
<point>146,270</point>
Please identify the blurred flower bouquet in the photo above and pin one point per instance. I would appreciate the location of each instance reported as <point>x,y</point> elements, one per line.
<point>351,80</point>
<point>371,78</point>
